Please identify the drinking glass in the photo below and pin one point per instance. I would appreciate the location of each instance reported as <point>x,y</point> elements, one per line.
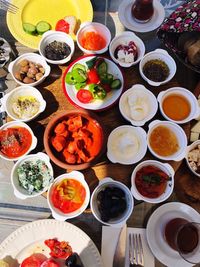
<point>142,10</point>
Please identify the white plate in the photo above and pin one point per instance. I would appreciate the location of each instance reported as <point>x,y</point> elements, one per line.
<point>29,239</point>
<point>155,229</point>
<point>70,90</point>
<point>124,13</point>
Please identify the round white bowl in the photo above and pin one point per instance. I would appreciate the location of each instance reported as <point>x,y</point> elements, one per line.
<point>161,55</point>
<point>189,148</point>
<point>124,39</point>
<point>96,27</point>
<point>50,36</point>
<point>21,192</point>
<point>139,91</point>
<point>13,124</point>
<point>14,67</point>
<point>120,220</point>
<point>25,90</point>
<point>181,137</point>
<point>140,135</point>
<point>195,109</point>
<point>56,213</point>
<point>165,167</point>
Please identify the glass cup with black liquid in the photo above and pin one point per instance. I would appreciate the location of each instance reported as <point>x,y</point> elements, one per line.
<point>142,10</point>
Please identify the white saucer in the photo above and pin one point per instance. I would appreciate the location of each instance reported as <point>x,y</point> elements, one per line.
<point>155,229</point>
<point>124,13</point>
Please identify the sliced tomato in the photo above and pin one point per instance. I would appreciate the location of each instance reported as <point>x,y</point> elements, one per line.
<point>62,26</point>
<point>84,96</point>
<point>50,263</point>
<point>106,87</point>
<point>93,76</point>
<point>34,260</point>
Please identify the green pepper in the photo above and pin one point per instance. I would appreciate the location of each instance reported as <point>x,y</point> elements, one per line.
<point>97,91</point>
<point>70,79</point>
<point>79,75</point>
<point>78,86</point>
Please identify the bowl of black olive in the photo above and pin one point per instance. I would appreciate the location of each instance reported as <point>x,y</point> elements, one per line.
<point>56,47</point>
<point>111,202</point>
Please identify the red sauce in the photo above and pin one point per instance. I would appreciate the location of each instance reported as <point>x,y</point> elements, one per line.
<point>93,41</point>
<point>151,182</point>
<point>68,195</point>
<point>15,142</point>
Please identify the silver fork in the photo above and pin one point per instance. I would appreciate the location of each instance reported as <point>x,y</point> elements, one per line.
<point>7,6</point>
<point>136,255</point>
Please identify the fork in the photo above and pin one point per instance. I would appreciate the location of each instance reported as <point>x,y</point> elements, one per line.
<point>7,6</point>
<point>136,255</point>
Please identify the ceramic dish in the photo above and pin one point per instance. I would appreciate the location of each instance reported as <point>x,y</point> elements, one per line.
<point>33,141</point>
<point>138,105</point>
<point>164,167</point>
<point>158,54</point>
<point>121,219</point>
<point>56,212</point>
<point>29,12</point>
<point>176,132</point>
<point>124,13</point>
<point>193,156</point>
<point>20,191</point>
<point>97,28</point>
<point>96,105</point>
<point>193,110</point>
<point>124,39</point>
<point>126,144</point>
<point>51,36</point>
<point>18,94</point>
<point>14,67</point>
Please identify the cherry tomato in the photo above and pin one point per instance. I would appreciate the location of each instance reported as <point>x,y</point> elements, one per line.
<point>93,76</point>
<point>62,26</point>
<point>34,260</point>
<point>84,96</point>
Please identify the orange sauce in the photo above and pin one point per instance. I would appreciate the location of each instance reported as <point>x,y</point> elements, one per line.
<point>93,41</point>
<point>176,107</point>
<point>163,141</point>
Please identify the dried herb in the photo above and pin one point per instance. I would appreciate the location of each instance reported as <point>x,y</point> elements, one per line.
<point>57,50</point>
<point>156,70</point>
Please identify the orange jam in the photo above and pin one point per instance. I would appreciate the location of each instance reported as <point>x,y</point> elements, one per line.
<point>93,41</point>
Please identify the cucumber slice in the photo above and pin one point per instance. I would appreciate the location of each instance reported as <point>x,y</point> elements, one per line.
<point>42,27</point>
<point>29,28</point>
<point>102,68</point>
<point>90,63</point>
<point>116,84</point>
<point>79,66</point>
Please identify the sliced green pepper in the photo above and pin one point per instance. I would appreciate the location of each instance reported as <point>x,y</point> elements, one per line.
<point>70,79</point>
<point>80,85</point>
<point>97,91</point>
<point>79,75</point>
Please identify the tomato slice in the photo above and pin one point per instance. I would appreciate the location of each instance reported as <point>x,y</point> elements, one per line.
<point>62,26</point>
<point>93,76</point>
<point>50,263</point>
<point>84,96</point>
<point>34,260</point>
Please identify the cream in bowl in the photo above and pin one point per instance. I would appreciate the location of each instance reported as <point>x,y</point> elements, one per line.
<point>193,157</point>
<point>179,105</point>
<point>126,144</point>
<point>166,140</point>
<point>152,181</point>
<point>24,103</point>
<point>138,105</point>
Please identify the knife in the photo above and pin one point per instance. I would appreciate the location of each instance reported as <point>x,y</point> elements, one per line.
<point>119,256</point>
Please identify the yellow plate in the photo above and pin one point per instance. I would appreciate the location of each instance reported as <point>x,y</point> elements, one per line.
<point>33,11</point>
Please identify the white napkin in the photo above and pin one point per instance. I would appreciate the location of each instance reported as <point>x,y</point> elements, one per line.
<point>109,241</point>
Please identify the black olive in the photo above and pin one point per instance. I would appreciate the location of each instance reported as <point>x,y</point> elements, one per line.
<point>74,261</point>
<point>118,192</point>
<point>100,195</point>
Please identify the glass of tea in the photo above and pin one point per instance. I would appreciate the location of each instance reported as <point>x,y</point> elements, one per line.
<point>142,10</point>
<point>184,237</point>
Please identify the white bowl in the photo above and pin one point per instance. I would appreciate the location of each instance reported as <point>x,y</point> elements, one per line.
<point>138,98</point>
<point>35,58</point>
<point>96,27</point>
<point>165,167</point>
<point>189,148</point>
<point>124,39</point>
<point>181,137</point>
<point>22,91</point>
<point>194,106</point>
<point>14,124</point>
<point>121,144</point>
<point>50,36</point>
<point>161,55</point>
<point>120,220</point>
<point>56,213</point>
<point>21,192</point>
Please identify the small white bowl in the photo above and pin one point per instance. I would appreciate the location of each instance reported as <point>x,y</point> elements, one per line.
<point>194,106</point>
<point>181,137</point>
<point>95,27</point>
<point>35,58</point>
<point>161,55</point>
<point>124,39</point>
<point>165,167</point>
<point>21,192</point>
<point>122,141</point>
<point>22,91</point>
<point>189,148</point>
<point>120,220</point>
<point>56,213</point>
<point>138,93</point>
<point>14,124</point>
<point>50,36</point>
